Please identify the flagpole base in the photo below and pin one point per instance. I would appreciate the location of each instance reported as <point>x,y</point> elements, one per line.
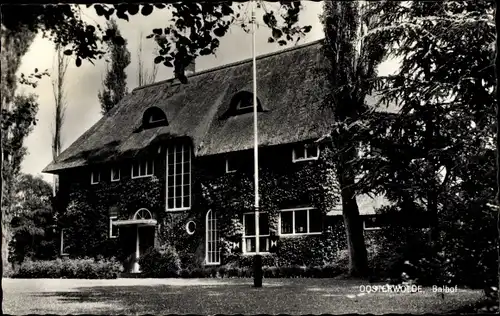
<point>257,271</point>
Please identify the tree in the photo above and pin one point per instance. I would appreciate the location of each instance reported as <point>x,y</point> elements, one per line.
<point>115,83</point>
<point>33,220</point>
<point>144,77</point>
<point>60,105</point>
<point>352,63</point>
<point>17,123</point>
<point>445,88</point>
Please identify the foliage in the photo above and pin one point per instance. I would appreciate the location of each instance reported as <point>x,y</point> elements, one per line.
<point>311,250</point>
<point>17,122</point>
<point>287,271</point>
<point>437,151</point>
<point>33,220</point>
<point>87,213</point>
<point>70,269</point>
<point>160,263</point>
<point>115,83</point>
<point>352,61</point>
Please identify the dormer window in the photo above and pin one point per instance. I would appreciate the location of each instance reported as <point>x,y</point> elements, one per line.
<point>241,103</point>
<point>154,117</point>
<point>305,152</point>
<point>245,102</point>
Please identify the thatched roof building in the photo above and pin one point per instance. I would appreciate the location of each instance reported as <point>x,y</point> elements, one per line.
<point>290,89</point>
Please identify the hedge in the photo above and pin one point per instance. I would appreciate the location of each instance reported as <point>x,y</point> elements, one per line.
<point>69,269</point>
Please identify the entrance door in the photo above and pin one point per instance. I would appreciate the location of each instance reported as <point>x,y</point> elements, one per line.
<point>145,237</point>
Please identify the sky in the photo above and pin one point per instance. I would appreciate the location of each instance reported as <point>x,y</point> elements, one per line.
<point>83,83</point>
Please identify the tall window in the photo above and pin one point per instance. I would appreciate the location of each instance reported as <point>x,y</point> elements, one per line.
<point>249,233</point>
<point>302,221</point>
<point>305,152</point>
<point>113,216</point>
<point>63,249</point>
<point>95,177</point>
<point>179,177</point>
<point>142,169</point>
<point>115,174</point>
<point>212,249</point>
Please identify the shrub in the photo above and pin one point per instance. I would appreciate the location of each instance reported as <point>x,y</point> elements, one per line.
<point>70,269</point>
<point>160,263</point>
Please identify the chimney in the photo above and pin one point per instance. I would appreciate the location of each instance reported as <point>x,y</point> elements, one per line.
<point>191,68</point>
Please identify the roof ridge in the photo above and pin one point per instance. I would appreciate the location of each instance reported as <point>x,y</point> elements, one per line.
<point>243,61</point>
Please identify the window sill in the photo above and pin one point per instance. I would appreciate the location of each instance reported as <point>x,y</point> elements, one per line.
<point>300,234</point>
<point>253,253</point>
<point>178,209</point>
<point>212,263</point>
<point>115,180</point>
<point>146,176</point>
<point>305,159</point>
<point>374,228</point>
<point>92,183</point>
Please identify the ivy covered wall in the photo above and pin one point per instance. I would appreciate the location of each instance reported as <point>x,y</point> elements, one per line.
<point>283,184</point>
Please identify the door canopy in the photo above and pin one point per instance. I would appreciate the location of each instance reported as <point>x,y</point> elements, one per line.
<point>142,217</point>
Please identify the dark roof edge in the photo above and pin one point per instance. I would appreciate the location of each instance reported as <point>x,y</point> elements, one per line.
<point>278,52</point>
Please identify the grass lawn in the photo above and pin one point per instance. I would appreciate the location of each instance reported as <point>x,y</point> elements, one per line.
<point>217,296</point>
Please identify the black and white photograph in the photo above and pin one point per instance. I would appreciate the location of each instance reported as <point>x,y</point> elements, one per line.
<point>250,157</point>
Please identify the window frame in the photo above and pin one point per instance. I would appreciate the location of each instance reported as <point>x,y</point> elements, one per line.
<point>160,119</point>
<point>370,228</point>
<point>227,166</point>
<point>308,225</point>
<point>175,186</point>
<point>214,233</point>
<point>244,236</point>
<point>92,173</point>
<point>111,219</point>
<point>113,173</point>
<point>139,164</point>
<point>61,250</point>
<point>305,147</point>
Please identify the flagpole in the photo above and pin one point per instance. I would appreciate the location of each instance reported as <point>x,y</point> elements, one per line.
<point>257,258</point>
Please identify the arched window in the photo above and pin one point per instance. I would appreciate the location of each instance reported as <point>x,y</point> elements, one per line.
<point>241,103</point>
<point>154,117</point>
<point>212,249</point>
<point>143,213</point>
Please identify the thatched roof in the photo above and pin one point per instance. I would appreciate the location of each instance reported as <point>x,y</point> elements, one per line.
<point>290,89</point>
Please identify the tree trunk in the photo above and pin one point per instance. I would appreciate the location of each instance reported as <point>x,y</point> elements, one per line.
<point>358,257</point>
